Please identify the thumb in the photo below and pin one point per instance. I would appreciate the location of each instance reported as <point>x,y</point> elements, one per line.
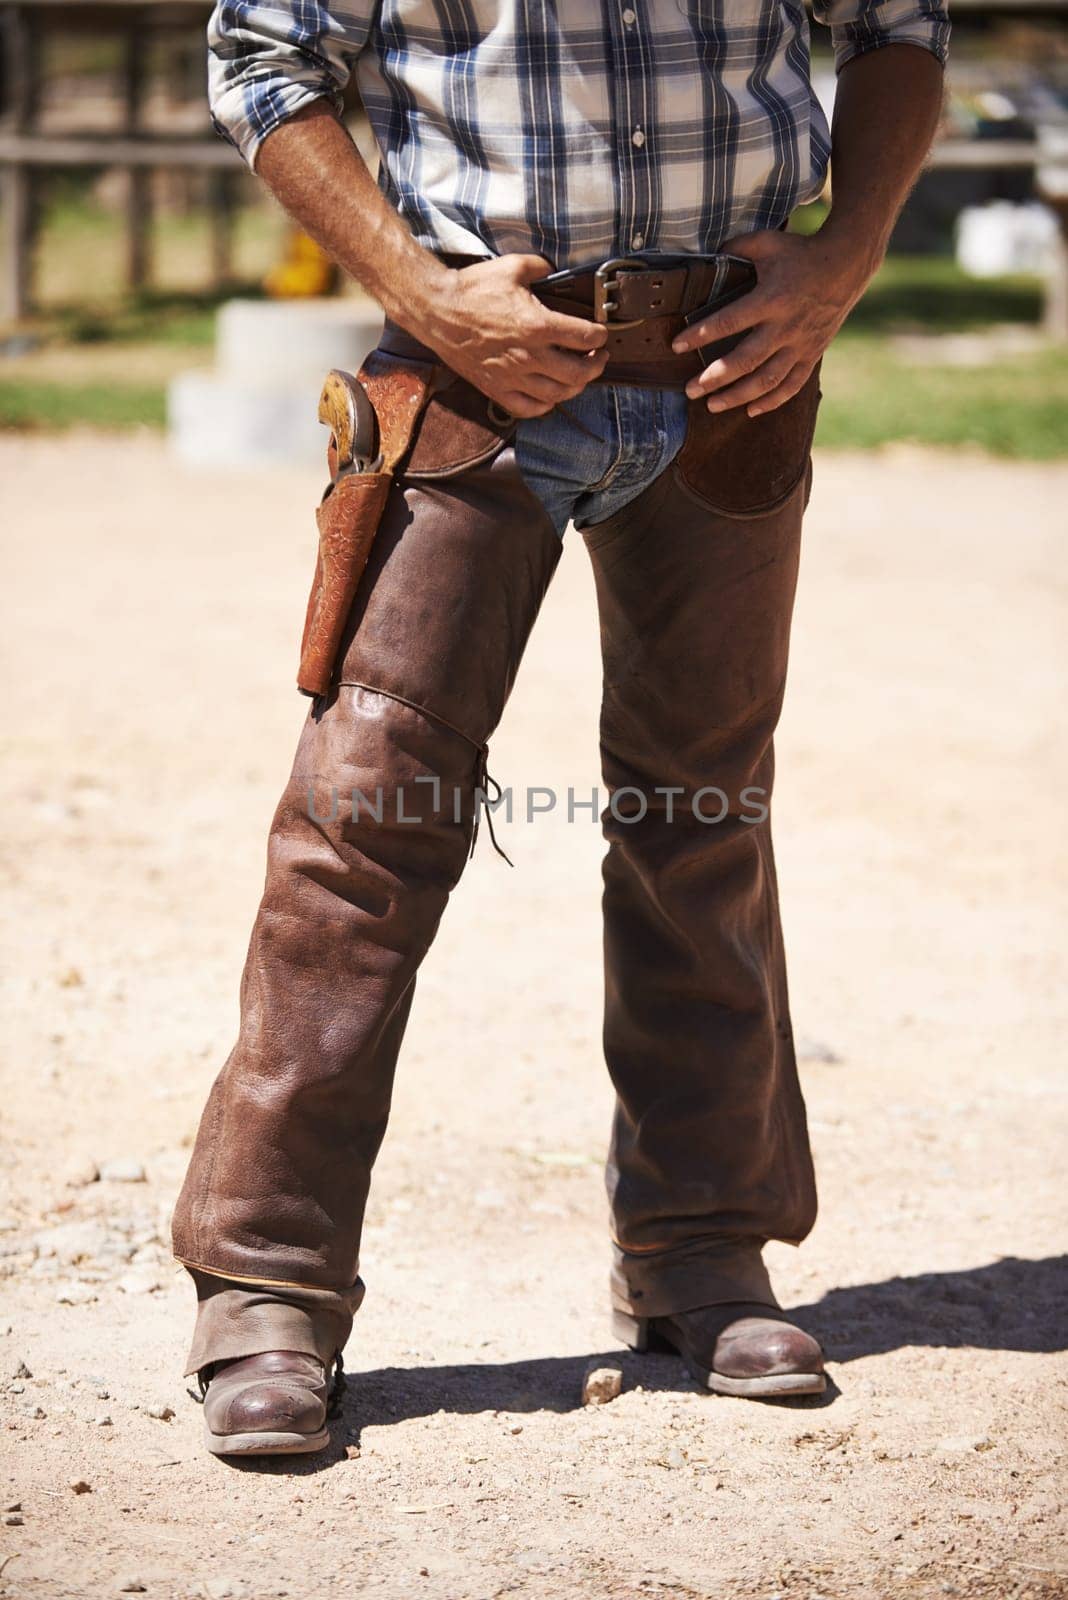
<point>754,246</point>
<point>528,269</point>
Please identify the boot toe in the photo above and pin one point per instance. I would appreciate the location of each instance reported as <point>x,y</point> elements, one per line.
<point>274,1408</point>
<point>282,1394</point>
<point>760,1347</point>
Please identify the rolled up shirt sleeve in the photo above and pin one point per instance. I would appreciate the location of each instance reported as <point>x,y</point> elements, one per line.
<point>269,58</point>
<point>858,26</point>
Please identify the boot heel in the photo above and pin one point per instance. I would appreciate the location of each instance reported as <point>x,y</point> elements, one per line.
<point>634,1331</point>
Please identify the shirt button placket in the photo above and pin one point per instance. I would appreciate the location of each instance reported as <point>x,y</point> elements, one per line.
<point>637,138</point>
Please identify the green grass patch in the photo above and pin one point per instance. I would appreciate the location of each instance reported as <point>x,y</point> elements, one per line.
<point>31,404</point>
<point>150,318</point>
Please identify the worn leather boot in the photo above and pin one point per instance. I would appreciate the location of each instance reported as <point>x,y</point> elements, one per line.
<point>370,837</point>
<point>695,584</point>
<point>740,1349</point>
<point>275,1403</point>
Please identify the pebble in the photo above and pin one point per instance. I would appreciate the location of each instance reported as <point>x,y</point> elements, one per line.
<point>131,1586</point>
<point>72,1242</point>
<point>13,1505</point>
<point>15,1520</point>
<point>22,1371</point>
<point>817,1050</point>
<point>123,1169</point>
<point>602,1384</point>
<point>79,1486</point>
<point>75,1294</point>
<point>80,1176</point>
<point>139,1282</point>
<point>961,1443</point>
<point>103,1421</point>
<point>673,1457</point>
<point>160,1413</point>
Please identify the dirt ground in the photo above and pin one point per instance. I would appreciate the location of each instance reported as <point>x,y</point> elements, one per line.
<point>150,632</point>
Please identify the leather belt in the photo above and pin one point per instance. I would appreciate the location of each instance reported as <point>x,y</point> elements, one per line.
<point>644,301</point>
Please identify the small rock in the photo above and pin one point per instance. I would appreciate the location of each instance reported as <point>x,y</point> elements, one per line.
<point>16,1388</point>
<point>16,1520</point>
<point>103,1421</point>
<point>80,1176</point>
<point>123,1169</point>
<point>72,1242</point>
<point>79,1486</point>
<point>159,1413</point>
<point>602,1384</point>
<point>70,979</point>
<point>673,1457</point>
<point>131,1586</point>
<point>22,1371</point>
<point>139,1282</point>
<point>961,1443</point>
<point>352,1452</point>
<point>517,1427</point>
<point>75,1294</point>
<point>817,1050</point>
<point>13,1505</point>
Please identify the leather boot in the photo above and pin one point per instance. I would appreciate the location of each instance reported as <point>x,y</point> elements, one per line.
<point>738,1348</point>
<point>695,583</point>
<point>369,839</point>
<point>275,1403</point>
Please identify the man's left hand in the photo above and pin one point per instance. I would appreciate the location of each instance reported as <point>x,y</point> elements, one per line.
<point>806,287</point>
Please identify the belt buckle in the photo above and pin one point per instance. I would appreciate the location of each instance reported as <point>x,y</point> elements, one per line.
<point>605,282</point>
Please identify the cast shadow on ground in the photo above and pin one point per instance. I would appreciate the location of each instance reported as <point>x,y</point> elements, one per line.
<point>1011,1304</point>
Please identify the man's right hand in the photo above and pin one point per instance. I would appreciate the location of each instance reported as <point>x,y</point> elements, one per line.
<point>487,326</point>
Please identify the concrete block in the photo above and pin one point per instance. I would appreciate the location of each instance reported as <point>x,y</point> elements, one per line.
<point>279,342</point>
<point>259,405</point>
<point>218,422</point>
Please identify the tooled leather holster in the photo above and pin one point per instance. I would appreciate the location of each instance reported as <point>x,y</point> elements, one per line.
<point>371,418</point>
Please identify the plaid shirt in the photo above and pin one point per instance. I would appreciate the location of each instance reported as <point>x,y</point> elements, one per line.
<point>577,129</point>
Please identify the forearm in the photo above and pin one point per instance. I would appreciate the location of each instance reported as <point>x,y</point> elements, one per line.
<point>314,170</point>
<point>886,113</point>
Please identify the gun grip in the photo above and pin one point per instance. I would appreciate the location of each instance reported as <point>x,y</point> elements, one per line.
<point>346,410</point>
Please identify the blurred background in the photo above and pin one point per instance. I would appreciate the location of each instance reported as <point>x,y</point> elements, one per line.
<point>127,225</point>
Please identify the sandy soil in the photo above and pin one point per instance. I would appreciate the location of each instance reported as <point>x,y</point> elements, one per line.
<point>151,624</point>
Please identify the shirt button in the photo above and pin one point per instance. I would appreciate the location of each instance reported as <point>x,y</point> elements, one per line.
<point>637,240</point>
<point>630,17</point>
<point>637,137</point>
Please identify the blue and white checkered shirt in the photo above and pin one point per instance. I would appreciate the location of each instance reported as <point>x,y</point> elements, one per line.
<point>577,129</point>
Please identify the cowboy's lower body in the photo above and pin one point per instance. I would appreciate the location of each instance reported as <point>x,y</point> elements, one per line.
<point>695,558</point>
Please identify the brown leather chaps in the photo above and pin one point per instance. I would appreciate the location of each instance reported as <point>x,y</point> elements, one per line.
<point>709,1155</point>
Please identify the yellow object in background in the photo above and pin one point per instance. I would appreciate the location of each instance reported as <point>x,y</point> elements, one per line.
<point>304,271</point>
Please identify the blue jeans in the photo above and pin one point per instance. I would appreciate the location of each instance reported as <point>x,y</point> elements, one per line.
<point>587,458</point>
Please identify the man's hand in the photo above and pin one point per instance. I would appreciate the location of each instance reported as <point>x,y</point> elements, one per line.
<point>805,290</point>
<point>484,322</point>
<point>885,113</point>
